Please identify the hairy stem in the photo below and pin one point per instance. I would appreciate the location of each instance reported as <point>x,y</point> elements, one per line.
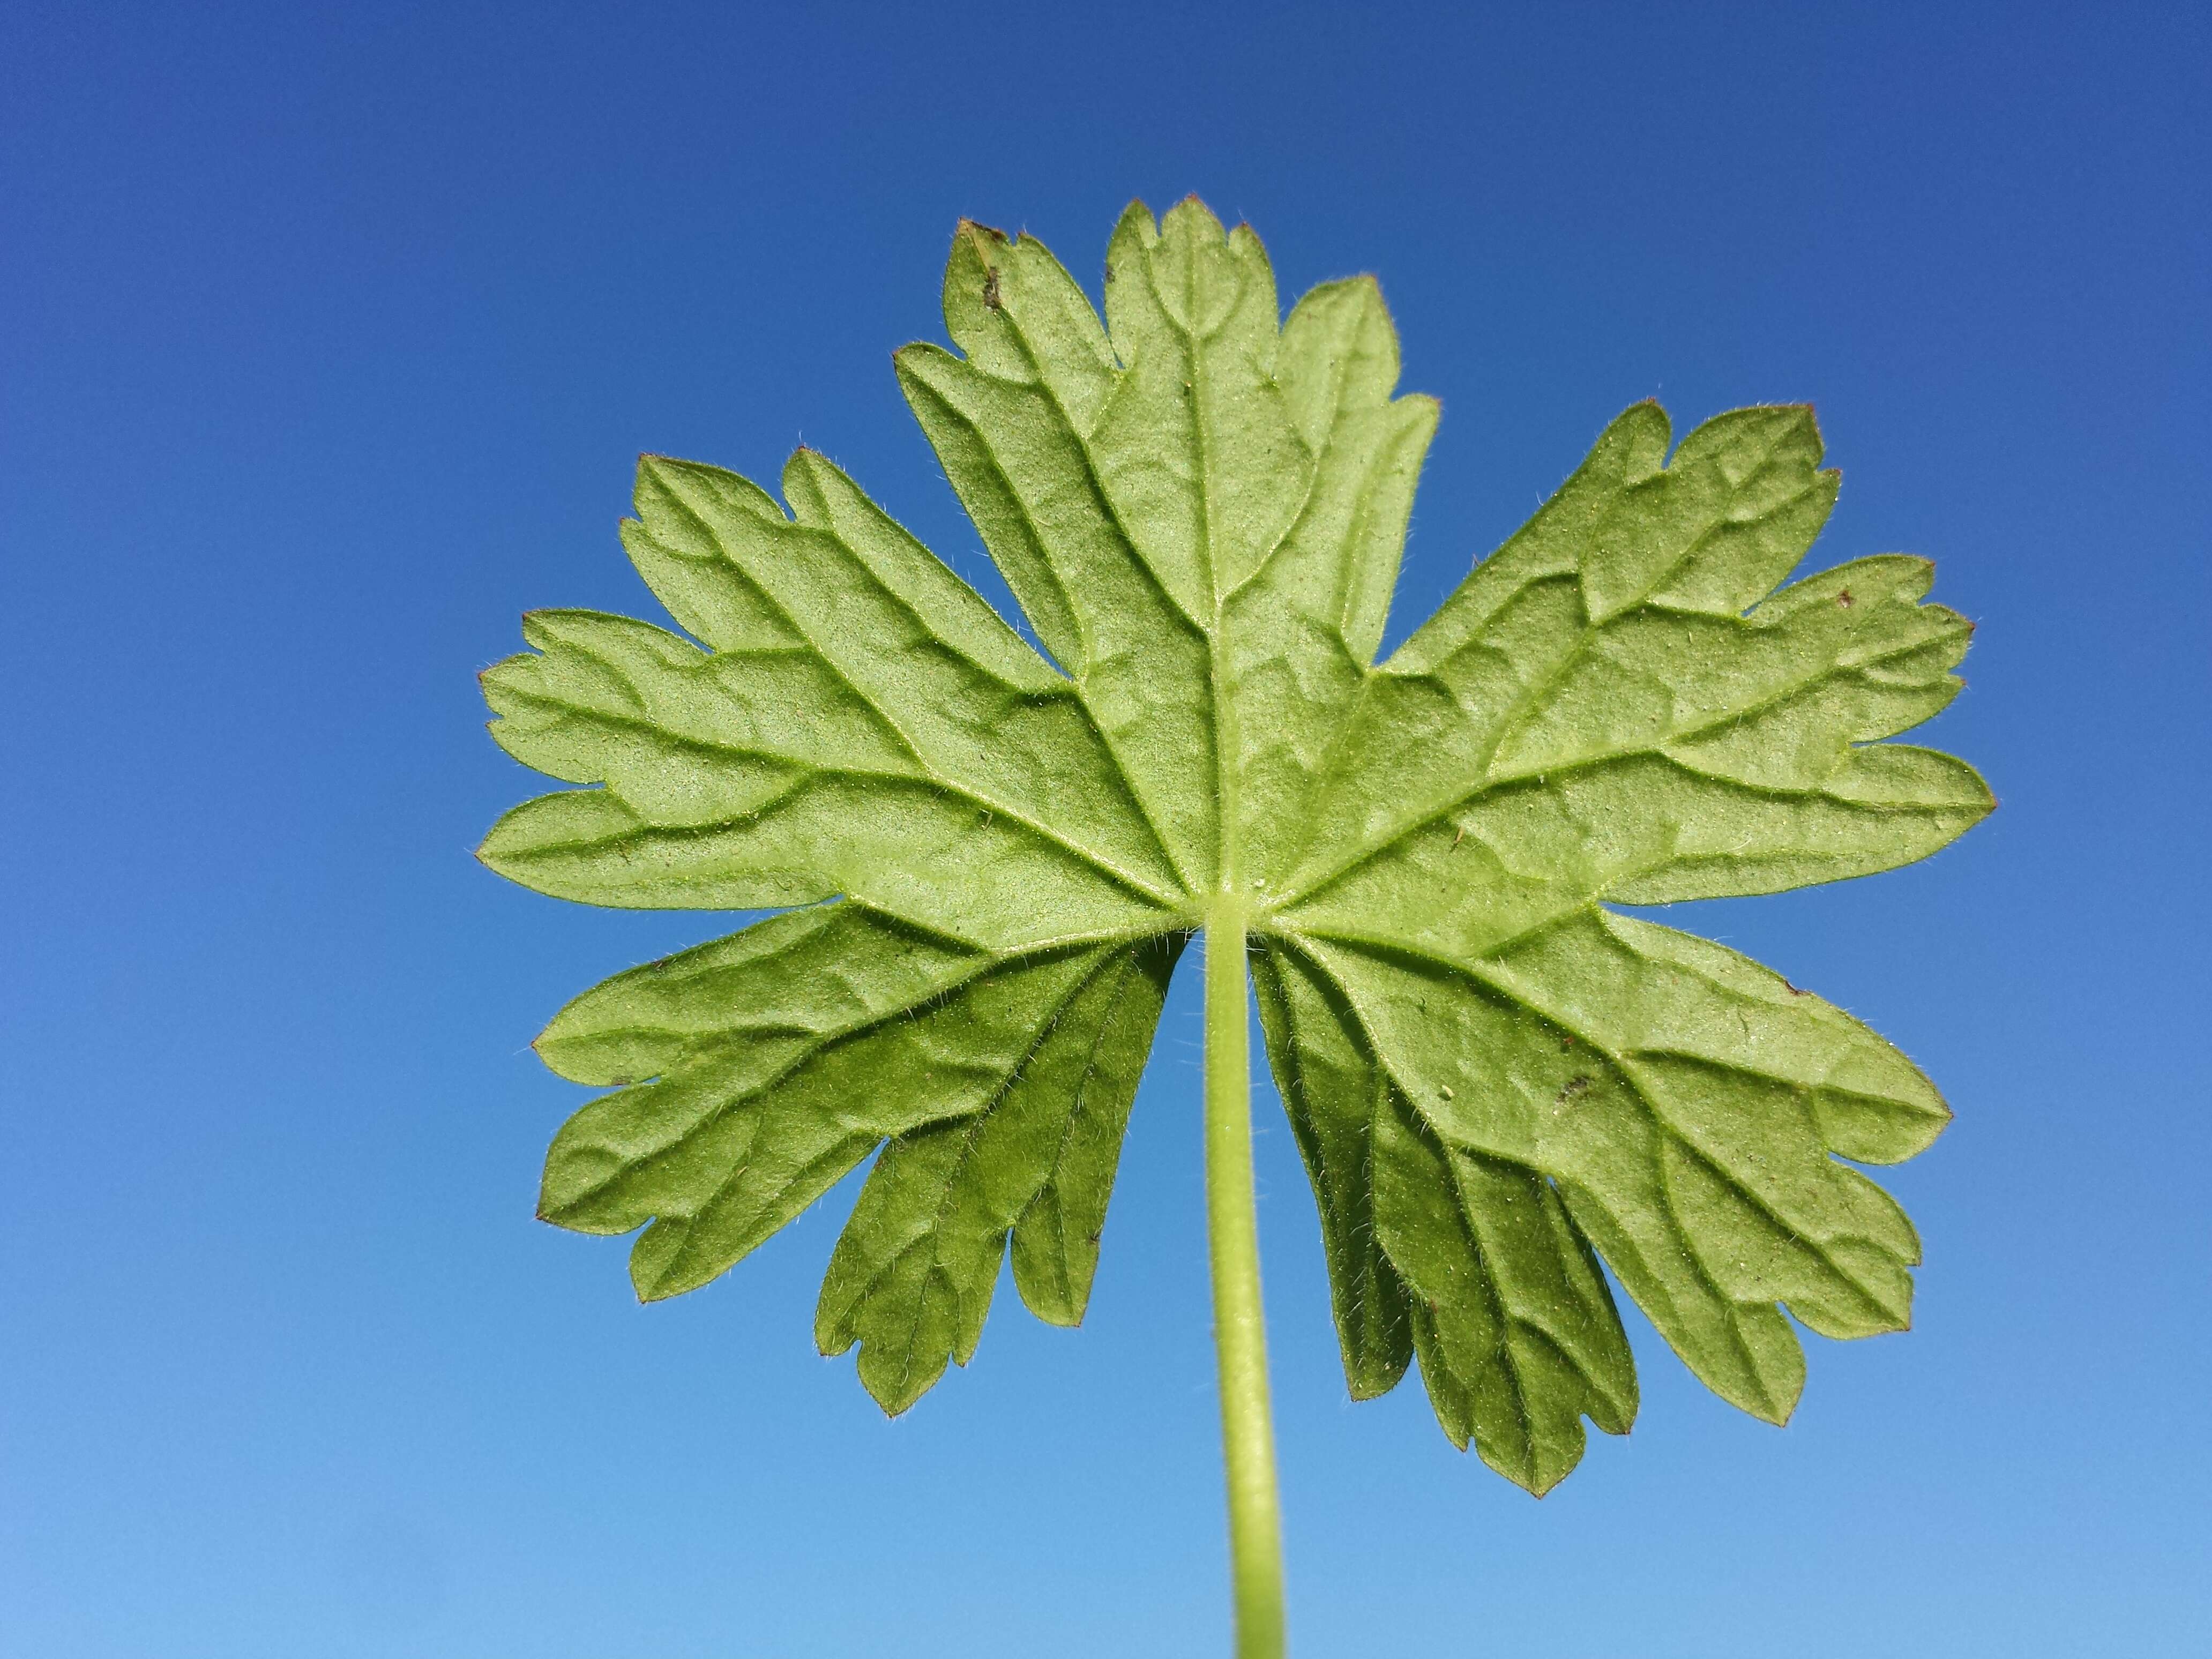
<point>1240,1331</point>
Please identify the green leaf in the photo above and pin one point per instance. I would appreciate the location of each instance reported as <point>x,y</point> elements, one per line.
<point>988,859</point>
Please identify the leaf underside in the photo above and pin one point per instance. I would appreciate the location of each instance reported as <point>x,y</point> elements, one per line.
<point>988,859</point>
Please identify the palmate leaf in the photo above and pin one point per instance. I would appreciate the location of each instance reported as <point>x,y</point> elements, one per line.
<point>988,862</point>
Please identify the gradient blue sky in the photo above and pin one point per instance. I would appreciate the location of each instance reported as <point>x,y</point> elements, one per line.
<point>328,337</point>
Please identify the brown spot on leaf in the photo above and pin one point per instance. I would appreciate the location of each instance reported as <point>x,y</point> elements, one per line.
<point>1844,598</point>
<point>1572,1089</point>
<point>991,286</point>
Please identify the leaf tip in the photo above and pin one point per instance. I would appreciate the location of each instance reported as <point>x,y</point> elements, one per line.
<point>1768,1408</point>
<point>892,1406</point>
<point>895,1394</point>
<point>1136,221</point>
<point>904,360</point>
<point>548,1208</point>
<point>649,1286</point>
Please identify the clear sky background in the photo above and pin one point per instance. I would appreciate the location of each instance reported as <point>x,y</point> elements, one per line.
<point>328,339</point>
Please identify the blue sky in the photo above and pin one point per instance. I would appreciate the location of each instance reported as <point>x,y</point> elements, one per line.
<point>328,338</point>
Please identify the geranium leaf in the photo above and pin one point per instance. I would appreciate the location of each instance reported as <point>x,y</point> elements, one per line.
<point>988,859</point>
